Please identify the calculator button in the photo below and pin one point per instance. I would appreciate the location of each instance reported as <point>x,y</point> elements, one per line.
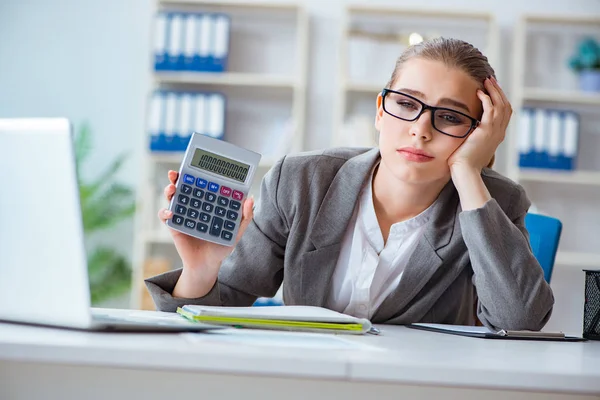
<point>235,205</point>
<point>189,179</point>
<point>193,214</point>
<point>179,209</point>
<point>199,193</point>
<point>213,187</point>
<point>220,211</point>
<point>204,217</point>
<point>190,224</point>
<point>183,199</point>
<point>215,226</point>
<point>225,191</point>
<point>177,219</point>
<point>201,183</point>
<point>210,197</point>
<point>223,201</point>
<point>195,203</point>
<point>237,195</point>
<point>226,235</point>
<point>185,189</point>
<point>229,225</point>
<point>232,215</point>
<point>207,207</point>
<point>202,227</point>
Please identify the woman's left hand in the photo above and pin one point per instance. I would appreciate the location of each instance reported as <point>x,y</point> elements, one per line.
<point>479,147</point>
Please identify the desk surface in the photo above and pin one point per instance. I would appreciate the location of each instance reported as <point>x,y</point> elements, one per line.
<point>398,355</point>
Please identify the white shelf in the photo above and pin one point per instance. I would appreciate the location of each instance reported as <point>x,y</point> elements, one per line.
<point>557,176</point>
<point>579,259</point>
<point>359,87</point>
<point>225,79</point>
<point>177,157</point>
<point>561,96</point>
<point>262,6</point>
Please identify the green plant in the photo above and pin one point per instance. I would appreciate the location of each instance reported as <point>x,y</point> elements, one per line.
<point>104,203</point>
<point>587,56</point>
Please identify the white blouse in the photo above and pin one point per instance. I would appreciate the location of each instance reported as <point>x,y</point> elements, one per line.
<point>367,271</point>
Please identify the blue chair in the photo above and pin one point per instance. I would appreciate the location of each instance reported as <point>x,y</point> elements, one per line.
<point>544,236</point>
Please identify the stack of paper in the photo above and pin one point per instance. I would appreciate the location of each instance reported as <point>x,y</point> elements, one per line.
<point>292,318</point>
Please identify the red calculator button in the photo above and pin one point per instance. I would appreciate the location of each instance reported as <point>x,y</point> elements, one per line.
<point>237,195</point>
<point>225,191</point>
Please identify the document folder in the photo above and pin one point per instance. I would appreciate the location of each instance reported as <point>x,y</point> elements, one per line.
<point>290,318</point>
<point>485,333</point>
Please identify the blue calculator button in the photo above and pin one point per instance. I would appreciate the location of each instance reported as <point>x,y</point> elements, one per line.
<point>189,179</point>
<point>213,187</point>
<point>201,183</point>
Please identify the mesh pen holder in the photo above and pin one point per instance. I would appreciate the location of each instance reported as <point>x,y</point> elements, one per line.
<point>591,309</point>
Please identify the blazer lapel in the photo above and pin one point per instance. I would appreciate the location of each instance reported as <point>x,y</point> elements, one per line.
<point>330,225</point>
<point>424,260</point>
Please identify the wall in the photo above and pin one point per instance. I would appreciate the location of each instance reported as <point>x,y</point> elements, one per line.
<point>89,60</point>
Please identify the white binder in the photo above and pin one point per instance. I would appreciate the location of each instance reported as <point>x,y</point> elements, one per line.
<point>571,139</point>
<point>160,41</point>
<point>216,116</point>
<point>199,113</point>
<point>555,139</point>
<point>156,121</point>
<point>170,120</point>
<point>525,139</point>
<point>220,48</point>
<point>175,55</point>
<point>204,42</point>
<point>189,45</point>
<point>540,138</point>
<point>185,121</point>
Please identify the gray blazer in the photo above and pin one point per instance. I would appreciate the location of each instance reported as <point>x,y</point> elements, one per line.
<point>466,263</point>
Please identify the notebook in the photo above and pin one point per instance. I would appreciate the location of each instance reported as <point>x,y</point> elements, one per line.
<point>291,318</point>
<point>483,332</point>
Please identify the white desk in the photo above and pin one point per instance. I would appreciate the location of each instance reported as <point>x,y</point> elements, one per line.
<point>43,363</point>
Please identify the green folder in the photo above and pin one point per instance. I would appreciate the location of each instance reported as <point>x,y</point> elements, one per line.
<point>290,318</point>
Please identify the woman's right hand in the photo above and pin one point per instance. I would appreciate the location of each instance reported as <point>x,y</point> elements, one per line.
<point>201,259</point>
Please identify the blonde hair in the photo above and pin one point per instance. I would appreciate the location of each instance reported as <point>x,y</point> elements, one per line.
<point>454,53</point>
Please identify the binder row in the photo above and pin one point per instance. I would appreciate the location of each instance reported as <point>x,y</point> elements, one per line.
<point>548,138</point>
<point>175,115</point>
<point>191,42</point>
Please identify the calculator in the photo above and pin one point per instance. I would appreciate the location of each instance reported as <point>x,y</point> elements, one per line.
<point>214,179</point>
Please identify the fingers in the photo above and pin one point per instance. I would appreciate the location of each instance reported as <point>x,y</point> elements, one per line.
<point>164,215</point>
<point>247,215</point>
<point>488,107</point>
<point>169,191</point>
<point>173,175</point>
<point>499,99</point>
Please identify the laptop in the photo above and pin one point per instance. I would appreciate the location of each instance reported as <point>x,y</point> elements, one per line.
<point>43,267</point>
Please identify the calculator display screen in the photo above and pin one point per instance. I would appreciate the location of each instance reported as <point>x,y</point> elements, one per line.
<point>220,165</point>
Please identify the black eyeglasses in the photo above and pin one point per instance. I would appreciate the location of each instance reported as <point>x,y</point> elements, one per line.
<point>444,120</point>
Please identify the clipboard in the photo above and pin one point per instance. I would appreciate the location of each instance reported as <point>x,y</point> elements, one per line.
<point>485,333</point>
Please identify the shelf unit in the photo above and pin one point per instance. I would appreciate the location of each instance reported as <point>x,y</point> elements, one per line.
<point>540,36</point>
<point>380,34</point>
<point>266,99</point>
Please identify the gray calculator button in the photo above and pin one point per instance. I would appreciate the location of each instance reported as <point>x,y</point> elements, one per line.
<point>223,201</point>
<point>199,193</point>
<point>177,219</point>
<point>215,226</point>
<point>185,189</point>
<point>226,235</point>
<point>232,215</point>
<point>229,225</point>
<point>204,217</point>
<point>195,203</point>
<point>193,214</point>
<point>207,207</point>
<point>235,205</point>
<point>183,199</point>
<point>179,209</point>
<point>210,197</point>
<point>190,224</point>
<point>202,227</point>
<point>220,211</point>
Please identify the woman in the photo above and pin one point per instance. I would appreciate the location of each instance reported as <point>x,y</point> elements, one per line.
<point>415,230</point>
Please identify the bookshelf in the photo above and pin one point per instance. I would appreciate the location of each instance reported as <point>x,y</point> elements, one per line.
<point>381,33</point>
<point>541,78</point>
<point>265,100</point>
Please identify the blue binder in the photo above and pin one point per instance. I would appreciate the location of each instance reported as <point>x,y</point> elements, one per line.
<point>161,37</point>
<point>156,121</point>
<point>220,42</point>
